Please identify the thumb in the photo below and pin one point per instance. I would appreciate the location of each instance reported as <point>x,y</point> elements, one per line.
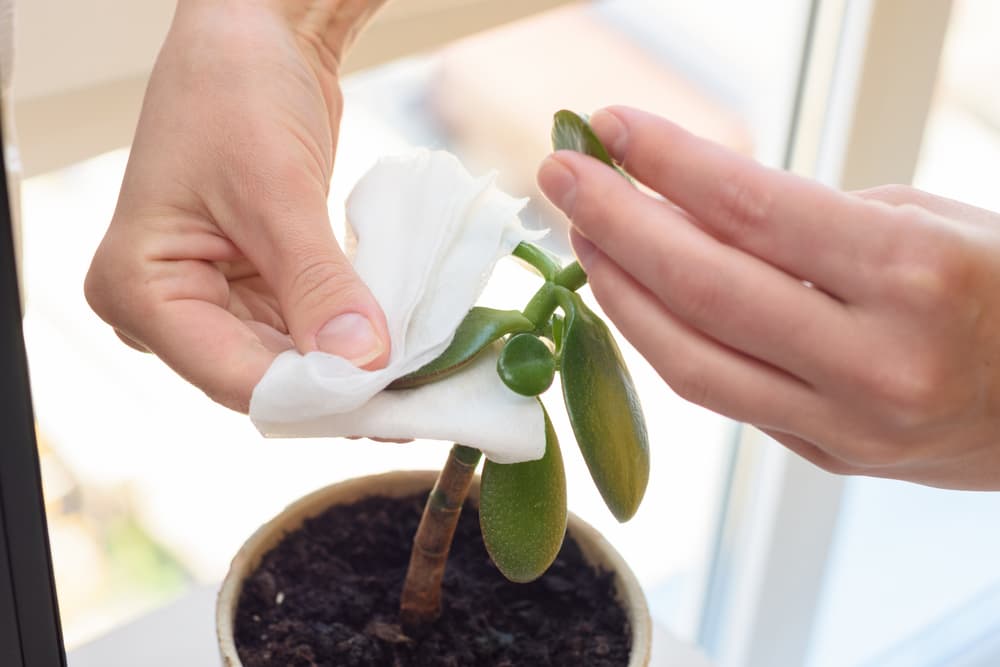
<point>328,308</point>
<point>324,303</point>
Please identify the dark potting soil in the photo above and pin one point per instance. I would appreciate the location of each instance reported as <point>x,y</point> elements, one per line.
<point>328,596</point>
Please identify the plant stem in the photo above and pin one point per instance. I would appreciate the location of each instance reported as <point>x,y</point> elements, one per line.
<point>541,306</point>
<point>538,258</point>
<point>572,277</point>
<point>421,600</point>
<point>420,603</point>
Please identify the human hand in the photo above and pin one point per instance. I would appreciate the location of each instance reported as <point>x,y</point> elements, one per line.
<point>861,330</point>
<point>220,253</point>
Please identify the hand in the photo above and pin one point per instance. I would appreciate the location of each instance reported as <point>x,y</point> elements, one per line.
<point>861,330</point>
<point>220,253</point>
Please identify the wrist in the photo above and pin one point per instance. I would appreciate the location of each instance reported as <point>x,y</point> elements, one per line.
<point>330,26</point>
<point>337,23</point>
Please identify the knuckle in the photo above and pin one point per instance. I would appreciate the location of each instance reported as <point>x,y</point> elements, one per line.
<point>234,399</point>
<point>863,453</point>
<point>891,193</point>
<point>323,281</point>
<point>874,455</point>
<point>592,196</point>
<point>931,270</point>
<point>812,452</point>
<point>94,292</point>
<point>116,294</point>
<point>701,300</point>
<point>903,403</point>
<point>907,392</point>
<point>689,384</point>
<point>601,282</point>
<point>100,286</point>
<point>744,206</point>
<point>131,341</point>
<point>833,465</point>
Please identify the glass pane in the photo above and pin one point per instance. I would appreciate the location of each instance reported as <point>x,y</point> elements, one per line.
<point>913,578</point>
<point>152,488</point>
<point>961,148</point>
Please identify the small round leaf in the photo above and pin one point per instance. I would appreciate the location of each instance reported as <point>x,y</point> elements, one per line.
<point>526,365</point>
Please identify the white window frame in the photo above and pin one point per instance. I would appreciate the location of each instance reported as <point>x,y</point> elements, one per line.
<point>859,123</point>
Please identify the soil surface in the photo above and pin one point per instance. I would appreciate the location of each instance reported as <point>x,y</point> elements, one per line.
<point>328,596</point>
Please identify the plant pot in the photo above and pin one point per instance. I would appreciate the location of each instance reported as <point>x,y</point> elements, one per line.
<point>595,548</point>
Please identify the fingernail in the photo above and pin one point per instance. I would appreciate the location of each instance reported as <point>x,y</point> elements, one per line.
<point>558,183</point>
<point>352,337</point>
<point>610,130</point>
<point>582,248</point>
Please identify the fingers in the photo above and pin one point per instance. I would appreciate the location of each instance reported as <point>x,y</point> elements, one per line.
<point>324,303</point>
<point>697,368</point>
<point>810,231</point>
<point>177,311</point>
<point>272,339</point>
<point>902,195</point>
<point>715,377</point>
<point>729,295</point>
<point>134,344</point>
<point>210,348</point>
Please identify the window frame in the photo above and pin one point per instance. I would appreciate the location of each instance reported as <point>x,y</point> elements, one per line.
<point>30,629</point>
<point>851,131</point>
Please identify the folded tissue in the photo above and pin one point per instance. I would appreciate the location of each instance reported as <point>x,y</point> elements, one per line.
<point>426,237</point>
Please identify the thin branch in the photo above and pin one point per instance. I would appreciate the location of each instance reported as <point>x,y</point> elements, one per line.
<point>421,600</point>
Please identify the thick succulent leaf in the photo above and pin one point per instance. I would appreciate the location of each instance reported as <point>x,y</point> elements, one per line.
<point>603,408</point>
<point>480,327</point>
<point>526,365</point>
<point>572,132</point>
<point>522,512</point>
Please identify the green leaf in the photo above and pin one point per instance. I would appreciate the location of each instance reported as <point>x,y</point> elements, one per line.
<point>526,365</point>
<point>522,512</point>
<point>480,327</point>
<point>603,408</point>
<point>572,132</point>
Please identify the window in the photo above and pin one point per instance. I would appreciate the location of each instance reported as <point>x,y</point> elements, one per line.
<point>151,489</point>
<point>912,578</point>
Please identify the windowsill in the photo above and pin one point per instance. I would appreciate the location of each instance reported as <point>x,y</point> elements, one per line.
<point>155,640</point>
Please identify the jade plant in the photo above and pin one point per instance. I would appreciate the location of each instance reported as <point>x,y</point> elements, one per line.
<point>523,505</point>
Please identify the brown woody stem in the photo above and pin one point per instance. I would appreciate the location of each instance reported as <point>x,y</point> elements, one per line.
<point>421,599</point>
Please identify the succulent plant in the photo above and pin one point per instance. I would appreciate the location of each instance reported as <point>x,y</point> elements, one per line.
<point>523,505</point>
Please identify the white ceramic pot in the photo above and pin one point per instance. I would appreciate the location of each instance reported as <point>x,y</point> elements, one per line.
<point>595,549</point>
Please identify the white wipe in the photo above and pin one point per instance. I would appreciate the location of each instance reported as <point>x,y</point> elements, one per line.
<point>427,236</point>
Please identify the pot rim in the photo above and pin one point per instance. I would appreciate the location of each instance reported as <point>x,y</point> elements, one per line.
<point>596,549</point>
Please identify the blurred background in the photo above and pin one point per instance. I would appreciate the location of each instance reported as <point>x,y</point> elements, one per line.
<point>151,488</point>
